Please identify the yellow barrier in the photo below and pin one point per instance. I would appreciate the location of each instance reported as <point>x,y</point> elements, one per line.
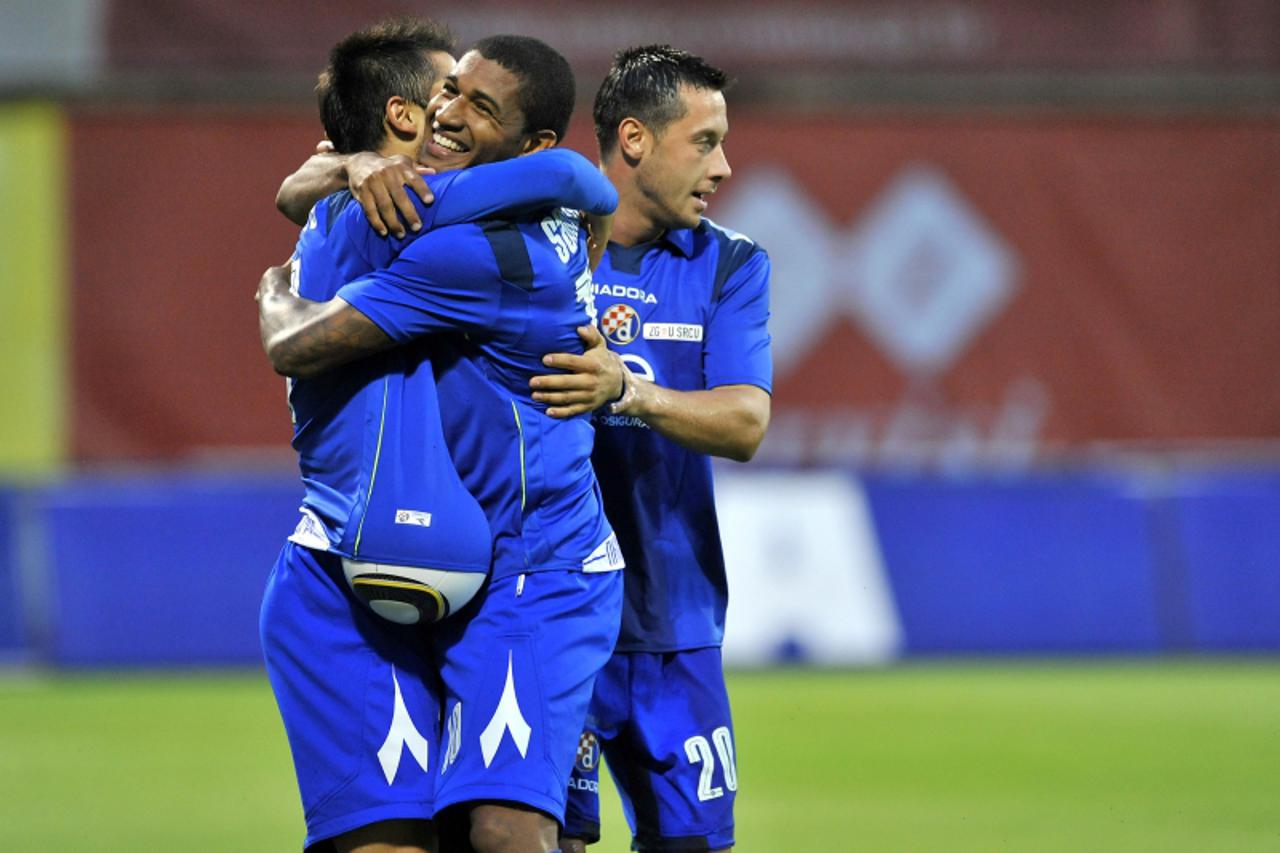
<point>33,293</point>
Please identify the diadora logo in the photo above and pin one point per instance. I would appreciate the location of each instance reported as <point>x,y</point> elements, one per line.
<point>588,753</point>
<point>624,292</point>
<point>620,323</point>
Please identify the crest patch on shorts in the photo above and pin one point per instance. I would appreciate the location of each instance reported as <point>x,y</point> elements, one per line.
<point>588,753</point>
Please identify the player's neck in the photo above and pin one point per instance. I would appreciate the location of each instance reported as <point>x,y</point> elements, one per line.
<point>392,147</point>
<point>631,228</point>
<point>633,223</point>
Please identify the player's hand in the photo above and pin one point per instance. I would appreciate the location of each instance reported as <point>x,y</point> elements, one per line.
<point>598,229</point>
<point>591,380</point>
<point>378,183</point>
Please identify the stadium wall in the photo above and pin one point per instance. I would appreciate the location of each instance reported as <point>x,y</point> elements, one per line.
<point>826,567</point>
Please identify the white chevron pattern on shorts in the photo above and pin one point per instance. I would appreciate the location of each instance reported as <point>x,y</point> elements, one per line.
<point>507,716</point>
<point>403,733</point>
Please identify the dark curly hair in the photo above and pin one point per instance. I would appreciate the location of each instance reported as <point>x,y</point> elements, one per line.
<point>371,66</point>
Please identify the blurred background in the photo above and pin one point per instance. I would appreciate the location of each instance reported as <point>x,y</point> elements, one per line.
<point>1026,316</point>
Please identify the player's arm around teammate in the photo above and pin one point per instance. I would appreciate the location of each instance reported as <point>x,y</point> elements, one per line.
<point>304,339</point>
<point>728,421</point>
<point>380,184</point>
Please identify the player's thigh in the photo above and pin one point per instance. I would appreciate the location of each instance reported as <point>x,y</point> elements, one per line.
<point>388,836</point>
<point>517,680</point>
<point>357,694</point>
<point>676,764</point>
<point>508,828</point>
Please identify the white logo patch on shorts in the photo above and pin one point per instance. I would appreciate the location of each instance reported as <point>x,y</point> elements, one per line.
<point>607,557</point>
<point>310,532</point>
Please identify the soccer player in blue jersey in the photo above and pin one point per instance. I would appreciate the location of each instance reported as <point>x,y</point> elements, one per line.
<point>684,302</point>
<point>358,693</point>
<point>518,665</point>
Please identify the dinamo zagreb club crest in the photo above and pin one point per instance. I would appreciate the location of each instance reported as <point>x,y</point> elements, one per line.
<point>620,323</point>
<point>588,753</point>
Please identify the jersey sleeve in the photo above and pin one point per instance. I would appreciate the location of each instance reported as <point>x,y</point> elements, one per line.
<point>445,281</point>
<point>737,347</point>
<point>508,189</point>
<point>377,251</point>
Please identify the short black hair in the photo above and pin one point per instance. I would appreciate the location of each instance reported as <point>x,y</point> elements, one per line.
<point>644,83</point>
<point>547,88</point>
<point>369,67</point>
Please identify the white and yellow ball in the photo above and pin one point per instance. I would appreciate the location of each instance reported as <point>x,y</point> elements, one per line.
<point>411,596</point>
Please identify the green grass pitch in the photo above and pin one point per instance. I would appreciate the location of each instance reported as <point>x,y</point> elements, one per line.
<point>1153,756</point>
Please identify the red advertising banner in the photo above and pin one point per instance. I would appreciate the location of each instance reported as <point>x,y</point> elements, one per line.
<point>237,36</point>
<point>996,289</point>
<point>945,289</point>
<point>172,221</point>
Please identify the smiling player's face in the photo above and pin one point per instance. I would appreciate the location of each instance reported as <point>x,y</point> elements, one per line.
<point>687,161</point>
<point>441,66</point>
<point>477,117</point>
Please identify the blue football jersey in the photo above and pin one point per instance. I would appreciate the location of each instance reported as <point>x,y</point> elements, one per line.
<point>518,290</point>
<point>688,311</point>
<point>380,483</point>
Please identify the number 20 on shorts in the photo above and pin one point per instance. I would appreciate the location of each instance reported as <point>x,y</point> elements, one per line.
<point>699,751</point>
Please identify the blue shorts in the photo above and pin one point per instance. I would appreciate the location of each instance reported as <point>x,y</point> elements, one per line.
<point>358,695</point>
<point>518,664</point>
<point>662,722</point>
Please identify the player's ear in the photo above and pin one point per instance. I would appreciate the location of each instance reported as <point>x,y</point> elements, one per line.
<point>399,117</point>
<point>634,138</point>
<point>540,141</point>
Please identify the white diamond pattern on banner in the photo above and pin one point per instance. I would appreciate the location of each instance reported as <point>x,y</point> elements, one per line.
<point>927,273</point>
<point>921,270</point>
